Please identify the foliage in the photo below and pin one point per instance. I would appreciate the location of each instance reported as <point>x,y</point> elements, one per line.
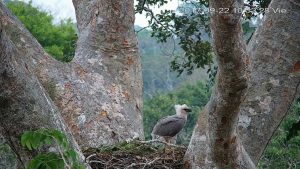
<point>157,75</point>
<point>195,96</point>
<point>58,40</point>
<point>189,25</point>
<point>190,29</point>
<point>212,73</point>
<point>66,156</point>
<point>260,3</point>
<point>283,150</point>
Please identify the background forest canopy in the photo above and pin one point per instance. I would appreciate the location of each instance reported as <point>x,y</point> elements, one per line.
<point>178,41</point>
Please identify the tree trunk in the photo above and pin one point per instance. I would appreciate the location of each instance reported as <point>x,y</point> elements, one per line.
<point>233,131</point>
<point>275,77</point>
<point>107,74</point>
<point>100,92</point>
<point>24,103</point>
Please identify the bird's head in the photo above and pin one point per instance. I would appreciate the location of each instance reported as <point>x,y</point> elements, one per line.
<point>182,109</point>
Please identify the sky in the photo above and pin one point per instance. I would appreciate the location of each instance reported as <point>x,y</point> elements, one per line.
<point>62,9</point>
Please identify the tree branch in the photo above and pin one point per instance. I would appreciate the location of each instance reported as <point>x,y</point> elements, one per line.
<point>274,51</point>
<point>222,111</point>
<point>21,55</point>
<point>141,5</point>
<point>157,21</point>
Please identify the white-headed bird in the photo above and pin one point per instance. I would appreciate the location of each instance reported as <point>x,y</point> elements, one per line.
<point>170,126</point>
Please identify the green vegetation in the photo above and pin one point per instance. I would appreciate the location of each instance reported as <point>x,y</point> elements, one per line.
<point>283,150</point>
<point>161,105</point>
<point>58,40</point>
<point>157,76</point>
<point>189,26</point>
<point>64,155</point>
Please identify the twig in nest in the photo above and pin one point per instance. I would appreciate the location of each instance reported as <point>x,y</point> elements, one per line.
<point>163,142</point>
<point>90,156</point>
<point>145,164</point>
<point>151,162</point>
<point>95,161</point>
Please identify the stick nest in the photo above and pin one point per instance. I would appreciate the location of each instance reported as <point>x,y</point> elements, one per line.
<point>136,155</point>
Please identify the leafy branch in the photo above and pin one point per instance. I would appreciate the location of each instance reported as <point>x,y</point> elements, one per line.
<point>65,158</point>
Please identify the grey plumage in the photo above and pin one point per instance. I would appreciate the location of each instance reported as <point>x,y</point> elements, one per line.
<point>170,126</point>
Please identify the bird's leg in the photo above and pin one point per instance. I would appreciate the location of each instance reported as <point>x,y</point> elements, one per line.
<point>167,139</point>
<point>173,149</point>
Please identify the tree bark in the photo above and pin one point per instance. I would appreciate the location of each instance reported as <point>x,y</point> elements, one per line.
<point>100,92</point>
<point>24,103</point>
<point>275,77</point>
<point>218,143</point>
<point>108,74</point>
<point>235,135</point>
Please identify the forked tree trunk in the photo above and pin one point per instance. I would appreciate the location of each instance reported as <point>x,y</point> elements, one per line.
<point>233,130</point>
<point>24,103</point>
<point>100,92</point>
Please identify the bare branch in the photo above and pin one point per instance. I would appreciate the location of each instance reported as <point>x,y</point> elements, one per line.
<point>138,31</point>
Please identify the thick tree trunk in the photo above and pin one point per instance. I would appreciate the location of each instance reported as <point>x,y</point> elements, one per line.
<point>110,77</point>
<point>100,93</point>
<point>275,77</point>
<point>24,104</point>
<point>216,139</point>
<point>273,83</point>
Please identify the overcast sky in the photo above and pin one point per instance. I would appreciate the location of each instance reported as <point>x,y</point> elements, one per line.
<point>62,9</point>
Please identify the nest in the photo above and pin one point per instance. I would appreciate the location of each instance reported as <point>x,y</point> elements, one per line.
<point>137,155</point>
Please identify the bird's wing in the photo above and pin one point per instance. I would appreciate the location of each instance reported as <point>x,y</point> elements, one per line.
<point>169,126</point>
<point>169,119</point>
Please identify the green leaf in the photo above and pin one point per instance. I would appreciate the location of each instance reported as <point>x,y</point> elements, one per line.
<point>78,166</point>
<point>51,160</point>
<point>34,164</point>
<point>47,161</point>
<point>48,141</point>
<point>71,154</point>
<point>25,137</point>
<point>60,138</point>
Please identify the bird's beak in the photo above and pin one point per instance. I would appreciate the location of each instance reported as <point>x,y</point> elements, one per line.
<point>188,109</point>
